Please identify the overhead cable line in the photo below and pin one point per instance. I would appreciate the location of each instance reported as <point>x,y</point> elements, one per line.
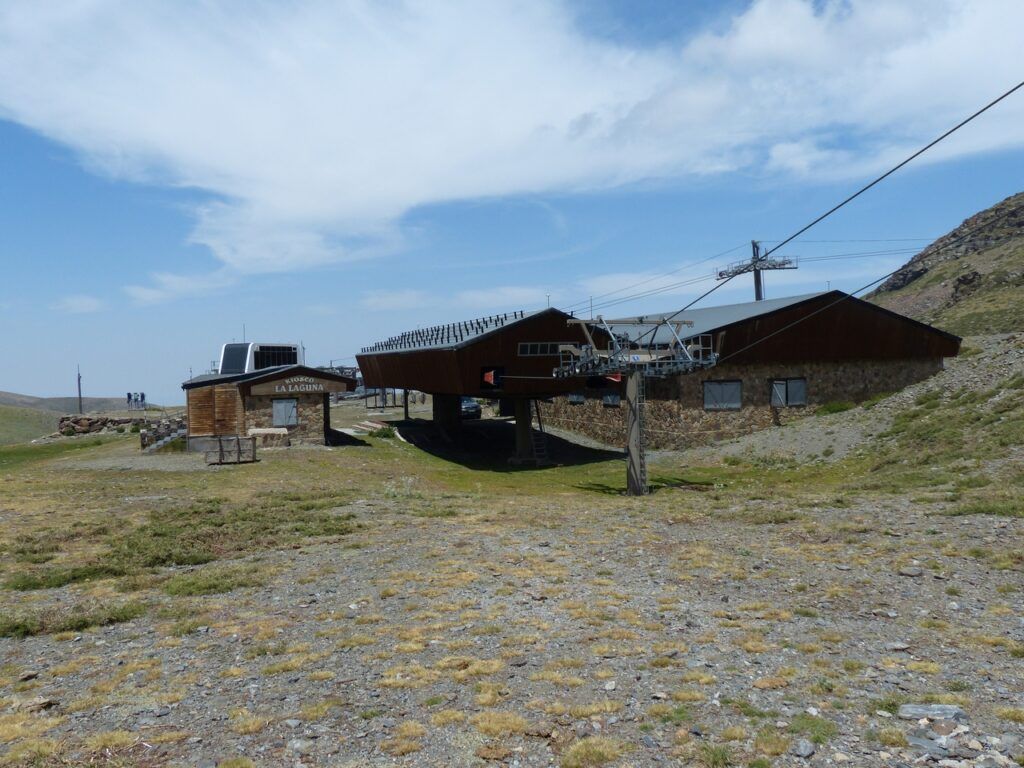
<point>895,168</point>
<point>584,302</point>
<point>945,246</point>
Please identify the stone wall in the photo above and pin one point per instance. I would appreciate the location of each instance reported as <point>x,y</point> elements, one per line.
<point>259,414</point>
<point>675,407</point>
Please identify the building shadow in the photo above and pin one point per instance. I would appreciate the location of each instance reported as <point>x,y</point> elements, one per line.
<point>488,444</point>
<point>339,439</point>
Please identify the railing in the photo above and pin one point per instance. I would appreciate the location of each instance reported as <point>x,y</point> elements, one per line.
<point>444,335</point>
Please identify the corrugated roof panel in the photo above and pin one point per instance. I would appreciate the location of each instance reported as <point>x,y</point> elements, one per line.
<point>705,319</point>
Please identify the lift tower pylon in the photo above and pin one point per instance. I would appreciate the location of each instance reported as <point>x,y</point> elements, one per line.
<point>637,350</point>
<point>757,264</point>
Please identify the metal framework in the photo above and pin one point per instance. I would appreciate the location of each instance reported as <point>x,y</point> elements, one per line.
<point>645,354</point>
<point>757,263</point>
<point>626,353</point>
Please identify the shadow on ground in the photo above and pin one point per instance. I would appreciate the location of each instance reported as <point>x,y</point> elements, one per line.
<point>654,485</point>
<point>338,438</point>
<point>488,444</point>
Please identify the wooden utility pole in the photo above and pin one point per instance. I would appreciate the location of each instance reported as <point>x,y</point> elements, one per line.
<point>636,468</point>
<point>78,368</point>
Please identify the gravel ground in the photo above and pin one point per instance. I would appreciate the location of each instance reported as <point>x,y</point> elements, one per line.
<point>662,631</point>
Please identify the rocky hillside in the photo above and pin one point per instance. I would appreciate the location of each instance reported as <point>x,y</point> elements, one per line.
<point>970,281</point>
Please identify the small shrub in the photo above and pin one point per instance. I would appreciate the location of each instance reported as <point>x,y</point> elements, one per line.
<point>714,756</point>
<point>211,581</point>
<point>892,737</point>
<point>817,729</point>
<point>385,433</point>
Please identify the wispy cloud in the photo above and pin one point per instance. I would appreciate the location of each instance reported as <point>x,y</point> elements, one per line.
<point>315,127</point>
<point>166,286</point>
<point>78,304</point>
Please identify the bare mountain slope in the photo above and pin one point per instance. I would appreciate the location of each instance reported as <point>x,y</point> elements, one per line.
<point>970,281</point>
<point>62,404</point>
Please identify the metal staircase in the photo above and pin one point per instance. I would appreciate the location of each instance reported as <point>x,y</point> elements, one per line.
<point>165,441</point>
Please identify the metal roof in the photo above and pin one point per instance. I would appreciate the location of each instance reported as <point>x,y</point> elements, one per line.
<point>450,335</point>
<point>705,319</point>
<point>208,379</point>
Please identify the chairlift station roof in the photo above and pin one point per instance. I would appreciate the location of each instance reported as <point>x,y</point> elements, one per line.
<point>829,326</point>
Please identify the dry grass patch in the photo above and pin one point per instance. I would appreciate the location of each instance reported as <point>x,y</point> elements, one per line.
<point>408,676</point>
<point>319,710</point>
<point>771,742</point>
<point>700,678</point>
<point>31,752</point>
<point>404,741</point>
<point>603,707</point>
<point>499,723</point>
<point>593,752</point>
<point>688,695</point>
<point>771,683</point>
<point>892,737</point>
<point>734,733</point>
<point>1013,714</point>
<point>244,722</point>
<point>447,717</point>
<point>557,678</point>
<point>22,726</point>
<point>100,742</point>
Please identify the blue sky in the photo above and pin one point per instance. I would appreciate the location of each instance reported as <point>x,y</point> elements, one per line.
<point>335,174</point>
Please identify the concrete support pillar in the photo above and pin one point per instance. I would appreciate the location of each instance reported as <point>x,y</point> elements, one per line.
<point>447,413</point>
<point>524,429</point>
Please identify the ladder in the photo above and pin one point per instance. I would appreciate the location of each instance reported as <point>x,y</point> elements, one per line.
<point>539,438</point>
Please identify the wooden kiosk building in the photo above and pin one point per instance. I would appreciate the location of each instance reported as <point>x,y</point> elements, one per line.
<point>278,406</point>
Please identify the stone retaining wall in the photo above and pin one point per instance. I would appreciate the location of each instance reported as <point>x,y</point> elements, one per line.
<point>675,407</point>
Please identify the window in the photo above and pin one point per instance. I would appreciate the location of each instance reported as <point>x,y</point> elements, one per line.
<point>538,349</point>
<point>576,398</point>
<point>789,392</point>
<point>723,395</point>
<point>610,401</point>
<point>267,356</point>
<point>286,412</point>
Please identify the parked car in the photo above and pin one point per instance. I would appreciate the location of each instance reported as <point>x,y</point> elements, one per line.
<point>471,408</point>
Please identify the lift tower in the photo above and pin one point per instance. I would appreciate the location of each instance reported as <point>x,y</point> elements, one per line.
<point>756,264</point>
<point>637,349</point>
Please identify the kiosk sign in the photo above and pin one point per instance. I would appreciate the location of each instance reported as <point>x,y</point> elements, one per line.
<point>299,385</point>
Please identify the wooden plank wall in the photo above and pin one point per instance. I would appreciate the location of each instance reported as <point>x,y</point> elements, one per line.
<point>200,411</point>
<point>227,410</point>
<point>215,410</point>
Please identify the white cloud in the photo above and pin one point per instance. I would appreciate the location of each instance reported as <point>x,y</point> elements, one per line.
<point>167,286</point>
<point>317,126</point>
<point>78,304</point>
